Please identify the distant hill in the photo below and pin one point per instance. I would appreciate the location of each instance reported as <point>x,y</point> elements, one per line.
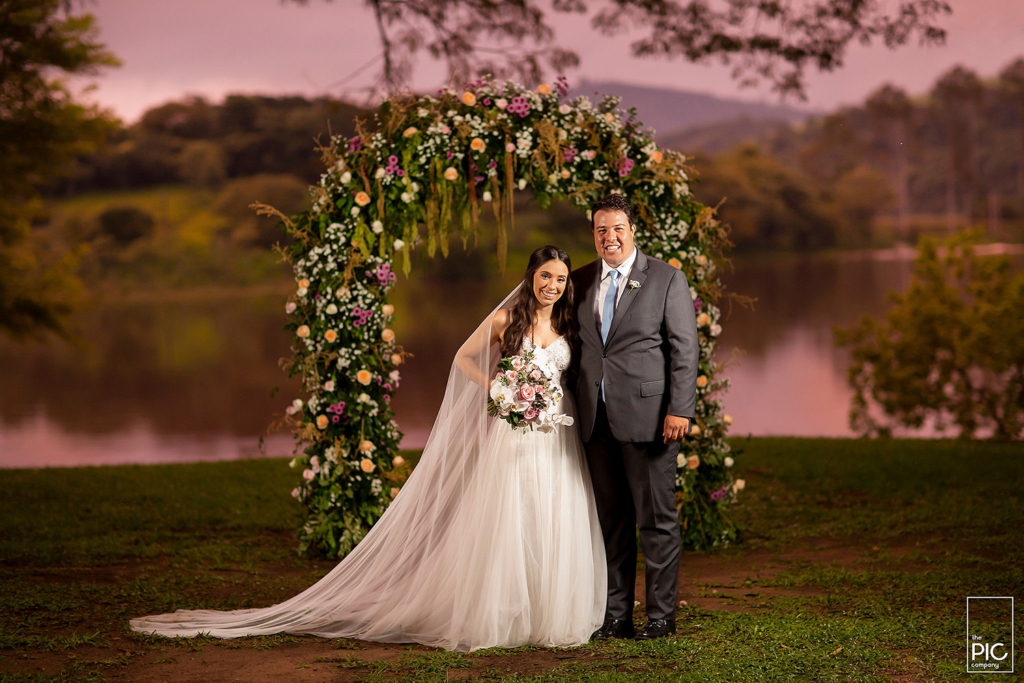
<point>720,136</point>
<point>670,112</point>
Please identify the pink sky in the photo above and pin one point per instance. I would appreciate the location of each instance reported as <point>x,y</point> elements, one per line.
<point>172,48</point>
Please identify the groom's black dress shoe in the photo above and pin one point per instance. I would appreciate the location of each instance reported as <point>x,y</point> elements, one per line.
<point>614,628</point>
<point>657,628</point>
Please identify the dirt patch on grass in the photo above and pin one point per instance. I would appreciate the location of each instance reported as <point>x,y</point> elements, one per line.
<point>309,659</point>
<point>732,580</point>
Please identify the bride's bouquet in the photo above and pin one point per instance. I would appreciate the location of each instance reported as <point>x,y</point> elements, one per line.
<point>524,395</point>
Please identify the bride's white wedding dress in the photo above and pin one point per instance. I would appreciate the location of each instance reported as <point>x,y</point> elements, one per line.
<point>493,542</point>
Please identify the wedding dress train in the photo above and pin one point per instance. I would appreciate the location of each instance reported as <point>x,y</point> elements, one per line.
<point>493,541</point>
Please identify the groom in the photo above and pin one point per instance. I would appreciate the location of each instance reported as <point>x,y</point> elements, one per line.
<point>636,397</point>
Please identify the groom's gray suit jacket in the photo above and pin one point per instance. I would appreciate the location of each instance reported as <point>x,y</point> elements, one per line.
<point>649,361</point>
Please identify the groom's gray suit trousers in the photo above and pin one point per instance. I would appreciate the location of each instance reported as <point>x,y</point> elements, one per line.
<point>637,481</point>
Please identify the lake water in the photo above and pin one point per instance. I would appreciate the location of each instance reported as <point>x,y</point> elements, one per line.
<point>195,379</point>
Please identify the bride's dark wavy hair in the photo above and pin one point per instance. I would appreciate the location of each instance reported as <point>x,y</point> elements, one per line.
<point>524,306</point>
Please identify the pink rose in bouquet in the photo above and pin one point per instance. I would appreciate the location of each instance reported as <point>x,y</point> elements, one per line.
<point>530,414</point>
<point>527,392</point>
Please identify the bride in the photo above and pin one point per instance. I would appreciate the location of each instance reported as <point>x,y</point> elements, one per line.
<point>493,541</point>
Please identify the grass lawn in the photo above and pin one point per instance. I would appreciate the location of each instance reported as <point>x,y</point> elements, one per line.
<point>857,559</point>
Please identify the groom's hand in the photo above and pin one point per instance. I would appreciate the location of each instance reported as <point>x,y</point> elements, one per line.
<point>675,428</point>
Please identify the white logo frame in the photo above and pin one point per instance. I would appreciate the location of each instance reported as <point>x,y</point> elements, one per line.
<point>1012,634</point>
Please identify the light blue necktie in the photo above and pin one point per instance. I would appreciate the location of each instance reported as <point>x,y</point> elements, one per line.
<point>609,305</point>
<point>608,313</point>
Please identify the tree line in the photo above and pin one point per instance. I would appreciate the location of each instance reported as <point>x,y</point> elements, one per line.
<point>936,162</point>
<point>201,143</point>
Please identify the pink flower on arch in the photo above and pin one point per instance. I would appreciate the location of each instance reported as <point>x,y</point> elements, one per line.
<point>520,106</point>
<point>720,493</point>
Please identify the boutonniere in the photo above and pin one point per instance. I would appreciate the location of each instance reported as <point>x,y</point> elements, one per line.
<point>633,284</point>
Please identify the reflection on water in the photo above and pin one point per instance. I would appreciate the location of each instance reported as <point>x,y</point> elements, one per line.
<point>152,382</point>
<point>790,379</point>
<point>176,381</point>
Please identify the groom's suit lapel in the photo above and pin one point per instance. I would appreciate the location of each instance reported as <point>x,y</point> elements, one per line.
<point>638,273</point>
<point>588,323</point>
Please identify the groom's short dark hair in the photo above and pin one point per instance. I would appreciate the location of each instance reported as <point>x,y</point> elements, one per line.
<point>612,202</point>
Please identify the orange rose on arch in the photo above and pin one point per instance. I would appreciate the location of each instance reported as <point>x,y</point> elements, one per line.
<point>362,199</point>
<point>364,377</point>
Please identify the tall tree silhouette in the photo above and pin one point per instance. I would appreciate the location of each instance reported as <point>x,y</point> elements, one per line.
<point>891,112</point>
<point>763,40</point>
<point>1011,80</point>
<point>42,130</point>
<point>956,97</point>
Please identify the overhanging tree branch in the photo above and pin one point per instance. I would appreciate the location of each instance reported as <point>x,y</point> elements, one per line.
<point>772,41</point>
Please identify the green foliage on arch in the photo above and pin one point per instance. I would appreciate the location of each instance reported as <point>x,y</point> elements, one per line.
<point>425,174</point>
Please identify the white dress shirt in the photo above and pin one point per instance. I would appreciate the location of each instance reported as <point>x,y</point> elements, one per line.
<point>606,282</point>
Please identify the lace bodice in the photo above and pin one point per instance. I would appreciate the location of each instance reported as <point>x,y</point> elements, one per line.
<point>558,353</point>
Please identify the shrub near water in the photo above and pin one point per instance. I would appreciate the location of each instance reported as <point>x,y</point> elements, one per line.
<point>949,351</point>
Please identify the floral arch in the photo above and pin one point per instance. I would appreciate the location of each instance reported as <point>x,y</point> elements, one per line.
<point>429,168</point>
